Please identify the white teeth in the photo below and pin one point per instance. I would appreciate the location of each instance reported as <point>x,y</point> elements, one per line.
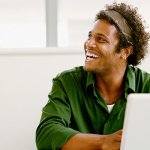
<point>91,55</point>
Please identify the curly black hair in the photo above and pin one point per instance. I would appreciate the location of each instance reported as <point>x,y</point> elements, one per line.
<point>139,35</point>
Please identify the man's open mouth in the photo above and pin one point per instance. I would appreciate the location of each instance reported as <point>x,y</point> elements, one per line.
<point>91,56</point>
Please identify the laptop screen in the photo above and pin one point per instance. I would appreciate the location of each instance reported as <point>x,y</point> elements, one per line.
<point>136,129</point>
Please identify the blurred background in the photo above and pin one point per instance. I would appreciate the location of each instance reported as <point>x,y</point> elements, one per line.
<point>39,39</point>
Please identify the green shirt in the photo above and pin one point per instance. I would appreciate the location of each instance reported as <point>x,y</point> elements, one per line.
<point>76,106</point>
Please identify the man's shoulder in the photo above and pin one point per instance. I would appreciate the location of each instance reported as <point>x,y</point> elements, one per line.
<point>140,72</point>
<point>142,79</point>
<point>76,72</point>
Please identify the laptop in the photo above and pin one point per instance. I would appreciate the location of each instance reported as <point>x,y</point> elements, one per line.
<point>136,129</point>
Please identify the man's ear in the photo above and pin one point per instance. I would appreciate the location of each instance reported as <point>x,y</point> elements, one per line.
<point>126,52</point>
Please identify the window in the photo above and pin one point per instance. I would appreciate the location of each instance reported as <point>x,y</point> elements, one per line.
<point>22,23</point>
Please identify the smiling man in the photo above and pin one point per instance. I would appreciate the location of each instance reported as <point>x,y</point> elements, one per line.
<point>86,105</point>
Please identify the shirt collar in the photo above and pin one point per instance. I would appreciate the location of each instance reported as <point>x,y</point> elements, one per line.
<point>129,80</point>
<point>90,80</point>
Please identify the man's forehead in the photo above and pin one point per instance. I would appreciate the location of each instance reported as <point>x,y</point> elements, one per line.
<point>103,27</point>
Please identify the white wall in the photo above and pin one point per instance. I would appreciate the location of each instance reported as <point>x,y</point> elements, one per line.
<point>25,81</point>
<point>75,18</point>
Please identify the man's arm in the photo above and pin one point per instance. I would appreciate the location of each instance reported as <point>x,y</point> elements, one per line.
<point>94,142</point>
<point>54,132</point>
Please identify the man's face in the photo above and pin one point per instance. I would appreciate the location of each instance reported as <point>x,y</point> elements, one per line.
<point>100,48</point>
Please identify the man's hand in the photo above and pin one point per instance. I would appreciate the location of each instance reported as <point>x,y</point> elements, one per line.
<point>112,141</point>
<point>94,142</point>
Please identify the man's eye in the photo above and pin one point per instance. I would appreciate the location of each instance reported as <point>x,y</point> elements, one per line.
<point>89,36</point>
<point>100,39</point>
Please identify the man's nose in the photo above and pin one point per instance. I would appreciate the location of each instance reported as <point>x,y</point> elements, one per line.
<point>91,43</point>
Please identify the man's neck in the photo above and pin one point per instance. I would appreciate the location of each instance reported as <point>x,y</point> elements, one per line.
<point>111,85</point>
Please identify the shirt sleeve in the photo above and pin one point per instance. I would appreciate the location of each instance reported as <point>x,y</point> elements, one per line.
<point>53,130</point>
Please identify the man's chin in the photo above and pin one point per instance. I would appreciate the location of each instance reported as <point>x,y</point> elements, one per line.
<point>87,68</point>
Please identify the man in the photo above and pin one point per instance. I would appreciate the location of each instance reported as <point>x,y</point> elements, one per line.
<point>86,105</point>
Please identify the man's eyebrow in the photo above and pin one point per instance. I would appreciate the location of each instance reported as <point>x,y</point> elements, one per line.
<point>89,32</point>
<point>99,34</point>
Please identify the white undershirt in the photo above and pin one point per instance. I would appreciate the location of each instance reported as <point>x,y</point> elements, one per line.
<point>110,107</point>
